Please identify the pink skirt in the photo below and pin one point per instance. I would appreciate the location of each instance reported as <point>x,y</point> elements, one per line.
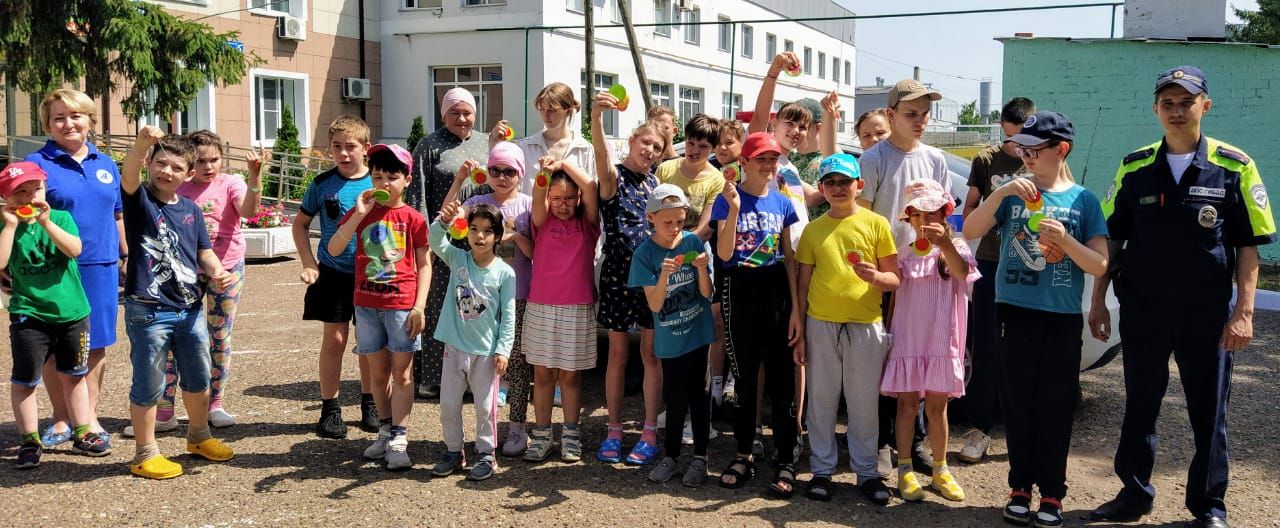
<point>921,374</point>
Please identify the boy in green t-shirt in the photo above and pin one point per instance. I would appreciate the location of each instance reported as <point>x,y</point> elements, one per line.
<point>48,313</point>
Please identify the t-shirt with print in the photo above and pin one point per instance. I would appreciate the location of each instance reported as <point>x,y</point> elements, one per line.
<point>46,282</point>
<point>1043,277</point>
<point>564,251</point>
<point>701,192</point>
<point>887,170</point>
<point>386,257</point>
<point>836,293</point>
<point>787,182</point>
<point>809,166</point>
<point>625,224</point>
<point>90,191</point>
<point>992,168</point>
<point>684,323</point>
<point>217,200</point>
<point>479,313</point>
<point>164,244</point>
<point>328,198</point>
<point>515,215</point>
<point>761,220</point>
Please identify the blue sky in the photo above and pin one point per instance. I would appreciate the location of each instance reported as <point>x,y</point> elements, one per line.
<point>956,51</point>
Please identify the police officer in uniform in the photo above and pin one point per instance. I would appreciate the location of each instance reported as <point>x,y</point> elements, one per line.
<point>1186,215</point>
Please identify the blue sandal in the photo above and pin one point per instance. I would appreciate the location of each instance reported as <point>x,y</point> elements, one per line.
<point>51,437</point>
<point>610,445</point>
<point>642,454</point>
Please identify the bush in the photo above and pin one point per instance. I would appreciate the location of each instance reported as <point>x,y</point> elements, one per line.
<point>416,133</point>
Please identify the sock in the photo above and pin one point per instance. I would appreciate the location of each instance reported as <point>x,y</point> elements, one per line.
<point>164,414</point>
<point>195,436</point>
<point>904,465</point>
<point>142,453</point>
<point>717,388</point>
<point>650,433</point>
<point>615,431</point>
<point>31,438</point>
<point>79,431</point>
<point>940,467</point>
<point>399,430</point>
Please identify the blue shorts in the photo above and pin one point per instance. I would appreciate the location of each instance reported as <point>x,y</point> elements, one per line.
<point>378,329</point>
<point>102,287</point>
<point>155,330</point>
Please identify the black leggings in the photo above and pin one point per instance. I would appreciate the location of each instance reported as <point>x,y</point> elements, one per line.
<point>756,310</point>
<point>684,388</point>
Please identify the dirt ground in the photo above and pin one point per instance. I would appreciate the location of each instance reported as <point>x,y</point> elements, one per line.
<point>284,475</point>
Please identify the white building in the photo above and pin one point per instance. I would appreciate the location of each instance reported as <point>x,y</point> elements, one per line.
<point>429,46</point>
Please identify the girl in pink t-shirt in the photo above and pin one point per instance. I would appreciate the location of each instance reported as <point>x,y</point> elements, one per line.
<point>224,199</point>
<point>929,323</point>
<point>559,322</point>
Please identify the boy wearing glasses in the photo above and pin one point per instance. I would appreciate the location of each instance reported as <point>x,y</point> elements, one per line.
<point>331,282</point>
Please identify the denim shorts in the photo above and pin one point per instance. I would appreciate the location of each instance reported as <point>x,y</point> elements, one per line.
<point>154,330</point>
<point>377,329</point>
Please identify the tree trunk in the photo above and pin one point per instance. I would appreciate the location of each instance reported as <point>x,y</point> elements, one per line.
<point>625,9</point>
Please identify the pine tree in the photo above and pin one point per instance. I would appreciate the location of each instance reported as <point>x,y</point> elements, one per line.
<point>416,133</point>
<point>1261,26</point>
<point>288,154</point>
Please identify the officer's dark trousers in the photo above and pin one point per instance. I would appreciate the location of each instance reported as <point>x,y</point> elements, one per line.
<point>1040,355</point>
<point>1151,331</point>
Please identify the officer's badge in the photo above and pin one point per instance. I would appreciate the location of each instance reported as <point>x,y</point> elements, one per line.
<point>1111,193</point>
<point>1178,74</point>
<point>1259,194</point>
<point>1208,216</point>
<point>1030,122</point>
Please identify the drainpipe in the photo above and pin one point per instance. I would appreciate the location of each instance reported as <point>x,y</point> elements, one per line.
<point>362,72</point>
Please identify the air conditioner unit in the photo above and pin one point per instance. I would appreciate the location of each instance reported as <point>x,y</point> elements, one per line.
<point>686,5</point>
<point>355,88</point>
<point>291,28</point>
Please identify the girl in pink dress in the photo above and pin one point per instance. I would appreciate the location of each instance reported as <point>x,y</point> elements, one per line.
<point>930,317</point>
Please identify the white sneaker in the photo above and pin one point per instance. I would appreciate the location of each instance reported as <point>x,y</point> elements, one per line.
<point>975,446</point>
<point>398,453</point>
<point>378,449</point>
<point>662,420</point>
<point>221,418</point>
<point>517,440</point>
<point>686,437</point>
<point>161,427</point>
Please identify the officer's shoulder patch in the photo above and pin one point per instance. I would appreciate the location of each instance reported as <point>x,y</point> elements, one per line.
<point>1139,155</point>
<point>1233,155</point>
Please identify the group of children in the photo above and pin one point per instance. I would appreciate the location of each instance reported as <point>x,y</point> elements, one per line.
<point>710,266</point>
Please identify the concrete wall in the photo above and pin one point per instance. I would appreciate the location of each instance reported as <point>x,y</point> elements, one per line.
<point>1115,78</point>
<point>1175,19</point>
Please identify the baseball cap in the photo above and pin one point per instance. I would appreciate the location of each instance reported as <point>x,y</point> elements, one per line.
<point>908,89</point>
<point>1189,77</point>
<point>660,199</point>
<point>759,143</point>
<point>400,153</point>
<point>1044,126</point>
<point>17,174</point>
<point>842,164</point>
<point>813,106</point>
<point>927,195</point>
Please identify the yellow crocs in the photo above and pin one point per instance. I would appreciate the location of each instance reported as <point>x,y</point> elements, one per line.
<point>157,467</point>
<point>946,485</point>
<point>212,449</point>
<point>909,486</point>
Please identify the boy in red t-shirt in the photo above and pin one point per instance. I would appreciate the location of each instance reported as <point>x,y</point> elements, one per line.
<point>391,255</point>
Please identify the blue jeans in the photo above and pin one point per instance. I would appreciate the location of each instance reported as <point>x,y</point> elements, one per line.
<point>154,330</point>
<point>377,329</point>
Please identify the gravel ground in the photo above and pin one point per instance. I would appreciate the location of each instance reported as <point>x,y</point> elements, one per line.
<point>284,475</point>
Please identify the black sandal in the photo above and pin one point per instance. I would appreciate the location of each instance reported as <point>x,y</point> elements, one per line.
<point>785,474</point>
<point>819,488</point>
<point>739,477</point>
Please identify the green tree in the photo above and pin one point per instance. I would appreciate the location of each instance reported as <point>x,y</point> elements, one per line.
<point>162,60</point>
<point>287,154</point>
<point>969,114</point>
<point>416,133</point>
<point>1261,26</point>
<point>994,117</point>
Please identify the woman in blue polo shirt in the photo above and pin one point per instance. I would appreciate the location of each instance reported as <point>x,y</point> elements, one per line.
<point>86,183</point>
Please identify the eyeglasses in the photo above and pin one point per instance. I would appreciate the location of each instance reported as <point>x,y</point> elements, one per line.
<point>501,172</point>
<point>556,200</point>
<point>842,182</point>
<point>1030,153</point>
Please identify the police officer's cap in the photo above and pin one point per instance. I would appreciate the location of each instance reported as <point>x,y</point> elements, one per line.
<point>1189,77</point>
<point>1044,126</point>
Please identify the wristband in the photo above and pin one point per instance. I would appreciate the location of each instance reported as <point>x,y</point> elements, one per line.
<point>255,189</point>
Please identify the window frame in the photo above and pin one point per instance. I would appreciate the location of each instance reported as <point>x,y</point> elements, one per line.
<point>770,47</point>
<point>681,101</point>
<point>297,9</point>
<point>404,5</point>
<point>662,14</point>
<point>730,104</point>
<point>808,60</point>
<point>822,65</point>
<point>692,15</point>
<point>658,99</point>
<point>603,81</point>
<point>301,118</point>
<point>748,41</point>
<point>724,34</point>
<point>482,101</point>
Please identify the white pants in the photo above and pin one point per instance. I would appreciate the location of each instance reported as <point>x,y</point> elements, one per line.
<point>849,356</point>
<point>461,370</point>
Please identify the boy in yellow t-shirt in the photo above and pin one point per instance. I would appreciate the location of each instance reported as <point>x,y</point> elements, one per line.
<point>699,180</point>
<point>847,261</point>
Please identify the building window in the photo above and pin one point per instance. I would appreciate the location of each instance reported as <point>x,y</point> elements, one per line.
<point>662,15</point>
<point>603,82</point>
<point>848,73</point>
<point>726,34</point>
<point>770,46</point>
<point>271,91</point>
<point>808,60</point>
<point>692,32</point>
<point>660,93</point>
<point>479,3</point>
<point>197,116</point>
<point>574,5</point>
<point>730,105</point>
<point>690,103</point>
<point>615,11</point>
<point>484,83</point>
<point>787,45</point>
<point>748,34</point>
<point>422,4</point>
<point>835,69</point>
<point>822,65</point>
<point>275,8</point>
